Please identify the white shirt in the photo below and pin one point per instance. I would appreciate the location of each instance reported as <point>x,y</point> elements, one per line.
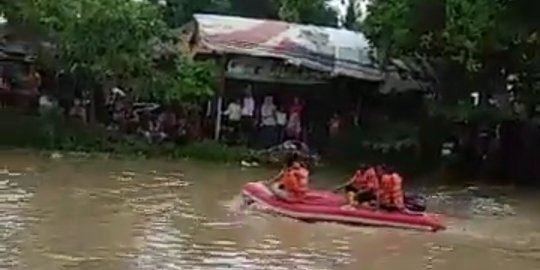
<point>248,107</point>
<point>234,111</point>
<point>268,112</point>
<point>45,102</point>
<point>281,118</point>
<point>118,91</point>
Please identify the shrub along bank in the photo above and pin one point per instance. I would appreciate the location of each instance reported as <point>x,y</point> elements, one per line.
<point>52,132</point>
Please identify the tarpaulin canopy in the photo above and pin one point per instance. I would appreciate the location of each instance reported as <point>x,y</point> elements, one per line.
<point>336,51</point>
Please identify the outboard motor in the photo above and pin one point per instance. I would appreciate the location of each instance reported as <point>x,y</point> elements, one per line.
<point>415,202</point>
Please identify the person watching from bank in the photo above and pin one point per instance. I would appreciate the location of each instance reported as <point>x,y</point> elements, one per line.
<point>234,115</point>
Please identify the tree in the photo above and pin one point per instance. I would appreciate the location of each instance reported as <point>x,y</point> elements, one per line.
<point>184,80</point>
<point>104,40</point>
<point>480,45</point>
<point>307,11</point>
<point>469,32</point>
<point>488,39</point>
<point>352,16</point>
<point>178,12</point>
<point>263,9</point>
<point>104,37</point>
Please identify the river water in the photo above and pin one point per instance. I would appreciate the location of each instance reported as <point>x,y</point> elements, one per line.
<point>80,213</point>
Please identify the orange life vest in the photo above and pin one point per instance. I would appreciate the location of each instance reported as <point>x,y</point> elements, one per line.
<point>367,180</point>
<point>391,191</point>
<point>303,178</point>
<point>295,181</point>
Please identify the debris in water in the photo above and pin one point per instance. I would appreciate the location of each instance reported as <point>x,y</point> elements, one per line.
<point>128,173</point>
<point>247,164</point>
<point>490,207</point>
<point>176,174</point>
<point>56,155</point>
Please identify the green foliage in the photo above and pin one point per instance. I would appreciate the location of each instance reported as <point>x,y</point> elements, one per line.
<point>265,9</point>
<point>187,80</point>
<point>352,16</point>
<point>468,32</point>
<point>461,30</point>
<point>117,40</point>
<point>470,29</point>
<point>489,40</point>
<point>52,132</point>
<point>178,12</point>
<point>464,112</point>
<point>307,11</point>
<point>388,26</point>
<point>390,143</point>
<point>101,36</point>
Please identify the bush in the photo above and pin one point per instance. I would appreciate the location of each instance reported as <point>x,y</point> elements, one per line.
<point>394,144</point>
<point>51,132</point>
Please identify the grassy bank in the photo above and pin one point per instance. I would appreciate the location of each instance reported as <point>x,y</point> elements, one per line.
<point>52,133</point>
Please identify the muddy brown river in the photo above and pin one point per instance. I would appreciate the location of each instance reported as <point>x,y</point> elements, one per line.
<point>81,213</point>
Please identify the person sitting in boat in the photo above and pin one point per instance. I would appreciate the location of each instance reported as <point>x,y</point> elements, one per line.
<point>362,187</point>
<point>391,197</point>
<point>293,181</point>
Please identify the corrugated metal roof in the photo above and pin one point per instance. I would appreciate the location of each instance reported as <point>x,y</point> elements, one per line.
<point>336,51</point>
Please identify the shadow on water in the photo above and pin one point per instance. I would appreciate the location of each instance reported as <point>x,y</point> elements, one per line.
<point>78,213</point>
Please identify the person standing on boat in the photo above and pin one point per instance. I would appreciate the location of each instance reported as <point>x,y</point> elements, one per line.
<point>291,183</point>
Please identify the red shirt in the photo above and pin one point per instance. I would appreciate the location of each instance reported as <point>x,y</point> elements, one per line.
<point>296,109</point>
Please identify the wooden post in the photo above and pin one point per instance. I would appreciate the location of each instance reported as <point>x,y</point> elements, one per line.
<point>222,66</point>
<point>217,128</point>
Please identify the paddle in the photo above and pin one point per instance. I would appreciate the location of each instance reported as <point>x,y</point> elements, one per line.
<point>342,186</point>
<point>274,179</point>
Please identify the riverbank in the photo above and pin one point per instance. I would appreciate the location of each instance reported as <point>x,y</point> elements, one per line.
<point>52,133</point>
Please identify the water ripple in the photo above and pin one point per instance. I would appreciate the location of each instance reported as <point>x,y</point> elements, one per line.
<point>145,218</point>
<point>12,202</point>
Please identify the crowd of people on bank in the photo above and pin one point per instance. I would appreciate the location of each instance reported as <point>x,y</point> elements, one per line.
<point>154,122</point>
<point>378,187</point>
<point>268,123</point>
<point>254,121</point>
<point>121,114</point>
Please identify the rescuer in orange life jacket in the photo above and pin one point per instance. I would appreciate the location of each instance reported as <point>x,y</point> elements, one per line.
<point>375,184</point>
<point>362,188</point>
<point>292,182</point>
<point>391,197</point>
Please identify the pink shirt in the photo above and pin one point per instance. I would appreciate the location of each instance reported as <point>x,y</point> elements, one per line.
<point>297,108</point>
